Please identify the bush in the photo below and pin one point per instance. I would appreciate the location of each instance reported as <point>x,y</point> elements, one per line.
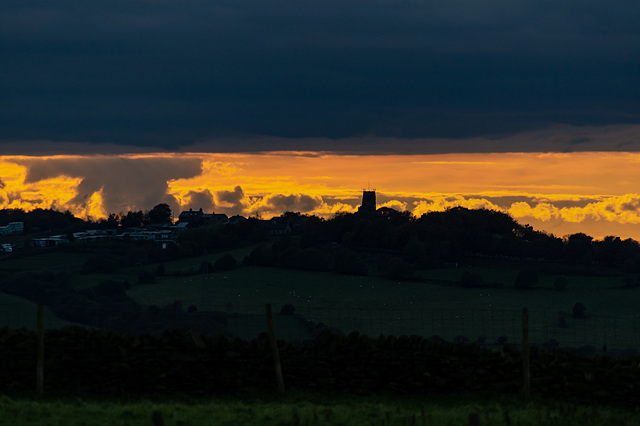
<point>470,279</point>
<point>526,278</point>
<point>551,344</point>
<point>287,309</point>
<point>100,264</point>
<point>461,339</point>
<point>206,268</point>
<point>502,340</point>
<point>347,262</point>
<point>225,263</point>
<point>560,283</point>
<point>146,277</point>
<point>261,256</point>
<point>397,269</point>
<point>562,319</point>
<point>116,290</point>
<point>160,270</point>
<point>579,310</point>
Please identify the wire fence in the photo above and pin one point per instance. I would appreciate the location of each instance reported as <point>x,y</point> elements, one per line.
<point>486,327</point>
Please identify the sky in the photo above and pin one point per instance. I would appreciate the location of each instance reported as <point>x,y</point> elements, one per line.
<point>530,107</point>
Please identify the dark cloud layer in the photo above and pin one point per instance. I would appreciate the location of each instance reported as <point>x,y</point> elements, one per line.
<point>125,183</point>
<point>169,74</point>
<point>231,202</point>
<point>200,200</point>
<point>293,203</point>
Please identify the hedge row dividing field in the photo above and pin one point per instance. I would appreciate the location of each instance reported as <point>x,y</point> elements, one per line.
<point>101,362</point>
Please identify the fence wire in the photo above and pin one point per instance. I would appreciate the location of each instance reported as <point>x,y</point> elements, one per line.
<point>485,327</point>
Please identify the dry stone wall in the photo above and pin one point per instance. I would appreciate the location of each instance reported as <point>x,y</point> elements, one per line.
<point>102,362</point>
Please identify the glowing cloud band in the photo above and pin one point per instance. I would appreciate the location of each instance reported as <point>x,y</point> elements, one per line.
<point>591,192</point>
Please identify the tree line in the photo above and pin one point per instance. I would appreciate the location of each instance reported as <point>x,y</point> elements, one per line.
<point>348,242</point>
<point>53,220</point>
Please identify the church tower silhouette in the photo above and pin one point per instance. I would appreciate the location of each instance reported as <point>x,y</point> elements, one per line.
<point>368,201</point>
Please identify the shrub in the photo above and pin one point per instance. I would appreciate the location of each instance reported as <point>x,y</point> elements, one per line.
<point>261,256</point>
<point>579,310</point>
<point>560,283</point>
<point>225,263</point>
<point>146,277</point>
<point>502,340</point>
<point>551,344</point>
<point>116,290</point>
<point>100,264</point>
<point>397,269</point>
<point>470,279</point>
<point>206,268</point>
<point>526,278</point>
<point>562,319</point>
<point>160,270</point>
<point>287,309</point>
<point>461,339</point>
<point>347,262</point>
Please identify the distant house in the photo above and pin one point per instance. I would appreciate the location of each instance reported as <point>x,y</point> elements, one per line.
<point>95,235</point>
<point>217,218</point>
<point>191,216</point>
<point>198,217</point>
<point>234,220</point>
<point>12,228</point>
<point>278,226</point>
<point>54,241</point>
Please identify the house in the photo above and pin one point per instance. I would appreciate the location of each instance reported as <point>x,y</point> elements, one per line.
<point>54,241</point>
<point>191,216</point>
<point>198,217</point>
<point>234,220</point>
<point>278,226</point>
<point>12,228</point>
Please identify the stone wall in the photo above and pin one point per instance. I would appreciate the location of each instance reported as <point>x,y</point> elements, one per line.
<point>103,362</point>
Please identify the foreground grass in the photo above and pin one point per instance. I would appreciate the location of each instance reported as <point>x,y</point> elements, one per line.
<point>308,409</point>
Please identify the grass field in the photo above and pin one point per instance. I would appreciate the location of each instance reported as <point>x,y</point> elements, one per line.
<point>18,313</point>
<point>376,306</point>
<point>310,409</point>
<point>371,305</point>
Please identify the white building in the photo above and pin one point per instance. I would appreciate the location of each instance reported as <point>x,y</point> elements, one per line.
<point>12,228</point>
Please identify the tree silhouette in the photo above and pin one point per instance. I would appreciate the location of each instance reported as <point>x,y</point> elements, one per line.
<point>160,214</point>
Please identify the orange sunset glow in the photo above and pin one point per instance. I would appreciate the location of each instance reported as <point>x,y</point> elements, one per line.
<point>592,192</point>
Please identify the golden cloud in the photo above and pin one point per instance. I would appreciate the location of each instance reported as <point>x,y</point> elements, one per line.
<point>551,190</point>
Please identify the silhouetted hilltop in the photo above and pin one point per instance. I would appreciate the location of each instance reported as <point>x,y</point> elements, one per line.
<point>42,219</point>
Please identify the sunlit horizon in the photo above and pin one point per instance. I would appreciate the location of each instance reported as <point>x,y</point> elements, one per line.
<point>561,193</point>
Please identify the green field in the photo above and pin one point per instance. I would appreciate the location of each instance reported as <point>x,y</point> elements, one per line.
<point>18,313</point>
<point>370,305</point>
<point>377,306</point>
<point>310,409</point>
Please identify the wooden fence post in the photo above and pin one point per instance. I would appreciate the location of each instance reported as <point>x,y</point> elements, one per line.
<point>526,372</point>
<point>40,362</point>
<point>274,348</point>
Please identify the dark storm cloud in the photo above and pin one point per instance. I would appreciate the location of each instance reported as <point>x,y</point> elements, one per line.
<point>126,183</point>
<point>200,200</point>
<point>166,74</point>
<point>231,197</point>
<point>293,203</point>
<point>231,202</point>
<point>630,207</point>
